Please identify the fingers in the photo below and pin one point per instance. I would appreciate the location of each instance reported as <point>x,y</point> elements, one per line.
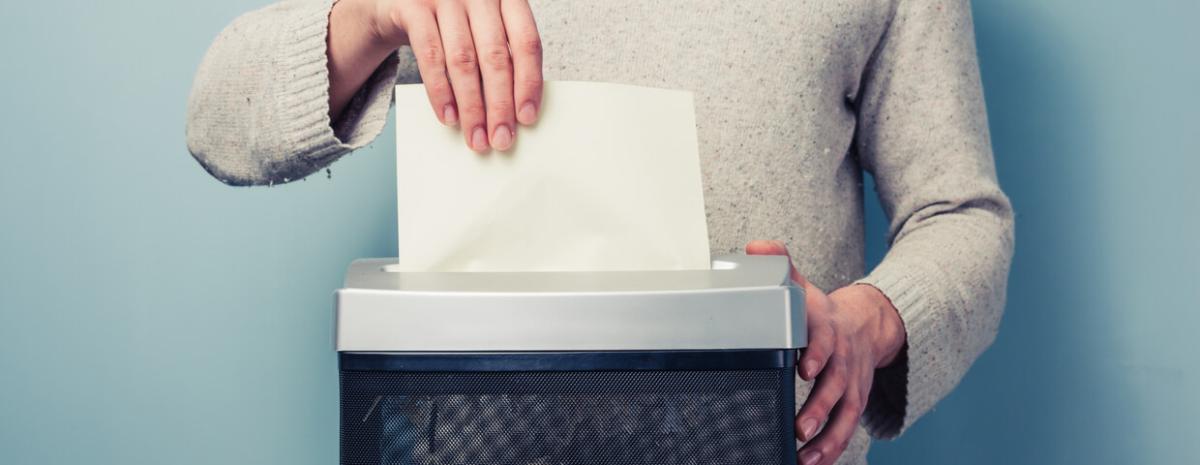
<point>761,247</point>
<point>526,47</point>
<point>426,43</point>
<point>826,393</point>
<point>821,338</point>
<point>479,60</point>
<point>462,65</point>
<point>837,362</point>
<point>820,333</point>
<point>829,445</point>
<point>496,68</point>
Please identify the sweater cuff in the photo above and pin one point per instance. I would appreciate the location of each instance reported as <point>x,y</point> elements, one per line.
<point>304,105</point>
<point>902,392</point>
<point>366,113</point>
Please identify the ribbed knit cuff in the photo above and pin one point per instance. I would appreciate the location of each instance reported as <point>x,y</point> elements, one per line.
<point>305,101</point>
<point>365,116</point>
<point>901,391</point>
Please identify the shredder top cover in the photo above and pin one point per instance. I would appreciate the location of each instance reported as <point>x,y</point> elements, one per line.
<point>744,302</point>
<point>731,271</point>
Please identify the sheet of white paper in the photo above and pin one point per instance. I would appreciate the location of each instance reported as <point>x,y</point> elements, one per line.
<point>608,179</point>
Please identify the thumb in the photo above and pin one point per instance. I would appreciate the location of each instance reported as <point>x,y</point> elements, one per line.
<point>761,247</point>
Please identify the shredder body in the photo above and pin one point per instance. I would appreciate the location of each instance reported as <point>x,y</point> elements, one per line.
<point>621,368</point>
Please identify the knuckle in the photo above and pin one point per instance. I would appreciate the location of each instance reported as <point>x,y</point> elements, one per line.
<point>433,55</point>
<point>839,446</point>
<point>496,59</point>
<point>854,405</point>
<point>821,412</point>
<point>531,44</point>
<point>821,406</point>
<point>838,368</point>
<point>440,88</point>
<point>464,60</point>
<point>848,357</point>
<point>502,109</point>
<point>813,353</point>
<point>530,84</point>
<point>472,111</point>
<point>839,383</point>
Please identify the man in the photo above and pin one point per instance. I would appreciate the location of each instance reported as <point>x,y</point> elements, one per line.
<point>794,100</point>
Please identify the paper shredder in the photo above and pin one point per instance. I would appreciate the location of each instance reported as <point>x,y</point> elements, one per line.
<point>541,368</point>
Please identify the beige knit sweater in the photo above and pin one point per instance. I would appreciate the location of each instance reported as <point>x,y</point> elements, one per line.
<point>794,100</point>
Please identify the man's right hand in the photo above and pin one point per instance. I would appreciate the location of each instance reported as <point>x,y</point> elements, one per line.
<point>480,60</point>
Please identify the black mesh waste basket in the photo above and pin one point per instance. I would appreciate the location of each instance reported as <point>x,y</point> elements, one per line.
<point>450,393</point>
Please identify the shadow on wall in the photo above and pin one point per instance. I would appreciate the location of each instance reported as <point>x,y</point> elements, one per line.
<point>1042,393</point>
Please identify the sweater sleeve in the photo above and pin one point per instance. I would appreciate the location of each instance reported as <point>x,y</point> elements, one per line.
<point>259,105</point>
<point>923,135</point>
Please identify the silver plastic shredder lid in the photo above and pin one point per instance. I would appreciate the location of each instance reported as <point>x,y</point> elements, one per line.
<point>743,302</point>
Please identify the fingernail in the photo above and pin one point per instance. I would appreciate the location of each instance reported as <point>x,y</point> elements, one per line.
<point>479,139</point>
<point>449,115</point>
<point>528,113</point>
<point>808,427</point>
<point>810,457</point>
<point>810,368</point>
<point>502,138</point>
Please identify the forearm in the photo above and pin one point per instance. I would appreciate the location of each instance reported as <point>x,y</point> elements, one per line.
<point>923,135</point>
<point>946,276</point>
<point>355,49</point>
<point>259,108</point>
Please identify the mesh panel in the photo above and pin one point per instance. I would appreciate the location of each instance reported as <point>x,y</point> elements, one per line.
<point>552,418</point>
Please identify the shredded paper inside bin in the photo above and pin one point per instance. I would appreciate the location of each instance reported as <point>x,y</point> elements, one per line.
<point>542,418</point>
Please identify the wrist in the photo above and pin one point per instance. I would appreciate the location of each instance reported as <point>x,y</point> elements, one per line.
<point>888,330</point>
<point>892,332</point>
<point>375,19</point>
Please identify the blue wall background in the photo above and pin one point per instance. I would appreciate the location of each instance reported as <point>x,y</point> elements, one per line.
<point>149,314</point>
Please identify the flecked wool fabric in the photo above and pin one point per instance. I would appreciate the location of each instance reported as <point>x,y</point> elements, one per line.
<point>794,101</point>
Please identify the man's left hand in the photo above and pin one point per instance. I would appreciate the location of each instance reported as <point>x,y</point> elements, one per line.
<point>851,332</point>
